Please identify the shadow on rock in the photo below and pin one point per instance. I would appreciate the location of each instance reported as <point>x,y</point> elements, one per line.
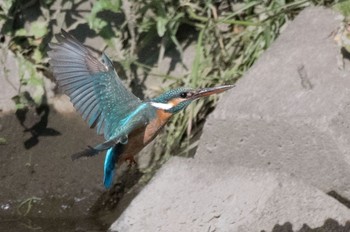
<point>339,198</point>
<point>330,225</point>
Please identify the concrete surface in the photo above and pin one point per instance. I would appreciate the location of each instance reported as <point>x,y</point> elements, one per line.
<point>188,195</point>
<point>291,111</point>
<point>271,151</point>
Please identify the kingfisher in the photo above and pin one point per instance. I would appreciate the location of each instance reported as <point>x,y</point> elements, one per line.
<point>127,123</point>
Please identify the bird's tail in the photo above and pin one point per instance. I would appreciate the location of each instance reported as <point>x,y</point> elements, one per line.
<point>109,166</point>
<point>112,156</point>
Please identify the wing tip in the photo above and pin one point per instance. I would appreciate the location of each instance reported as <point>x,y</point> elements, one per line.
<point>65,37</point>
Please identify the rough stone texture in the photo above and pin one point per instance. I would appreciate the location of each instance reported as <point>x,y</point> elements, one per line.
<point>284,119</point>
<point>270,152</point>
<point>194,196</point>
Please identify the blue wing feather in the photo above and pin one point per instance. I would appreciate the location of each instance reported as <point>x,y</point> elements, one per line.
<point>90,105</point>
<point>93,115</point>
<point>100,97</point>
<point>92,84</point>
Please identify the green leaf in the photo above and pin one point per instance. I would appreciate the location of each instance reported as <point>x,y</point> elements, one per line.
<point>197,60</point>
<point>21,32</point>
<point>3,141</point>
<point>94,21</point>
<point>37,55</point>
<point>38,29</point>
<point>97,24</point>
<point>31,81</point>
<point>343,7</point>
<point>161,26</point>
<point>6,5</point>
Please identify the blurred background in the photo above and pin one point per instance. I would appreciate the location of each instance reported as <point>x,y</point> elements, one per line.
<point>155,45</point>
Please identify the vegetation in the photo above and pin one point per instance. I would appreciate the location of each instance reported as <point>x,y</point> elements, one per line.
<point>228,35</point>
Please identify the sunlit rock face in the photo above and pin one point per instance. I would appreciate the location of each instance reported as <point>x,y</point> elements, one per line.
<point>273,155</point>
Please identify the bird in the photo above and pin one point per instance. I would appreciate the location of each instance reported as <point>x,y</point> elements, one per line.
<point>98,94</point>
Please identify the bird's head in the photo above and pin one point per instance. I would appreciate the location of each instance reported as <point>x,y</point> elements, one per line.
<point>178,99</point>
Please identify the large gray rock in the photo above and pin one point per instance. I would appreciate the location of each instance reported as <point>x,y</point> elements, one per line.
<point>187,195</point>
<point>273,148</point>
<point>291,112</point>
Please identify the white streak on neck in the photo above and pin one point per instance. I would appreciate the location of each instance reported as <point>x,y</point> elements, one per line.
<point>162,106</point>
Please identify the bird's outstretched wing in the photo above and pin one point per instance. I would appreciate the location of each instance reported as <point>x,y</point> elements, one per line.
<point>91,83</point>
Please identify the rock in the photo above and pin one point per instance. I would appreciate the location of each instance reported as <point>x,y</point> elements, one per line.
<point>291,112</point>
<point>187,195</point>
<point>270,152</point>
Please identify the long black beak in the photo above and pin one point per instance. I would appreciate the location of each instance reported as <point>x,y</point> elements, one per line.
<point>210,91</point>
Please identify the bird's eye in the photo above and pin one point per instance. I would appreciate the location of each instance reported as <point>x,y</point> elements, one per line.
<point>183,95</point>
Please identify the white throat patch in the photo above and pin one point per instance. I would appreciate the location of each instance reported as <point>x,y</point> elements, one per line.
<point>162,106</point>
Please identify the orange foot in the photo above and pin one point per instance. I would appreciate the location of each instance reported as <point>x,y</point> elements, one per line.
<point>131,161</point>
